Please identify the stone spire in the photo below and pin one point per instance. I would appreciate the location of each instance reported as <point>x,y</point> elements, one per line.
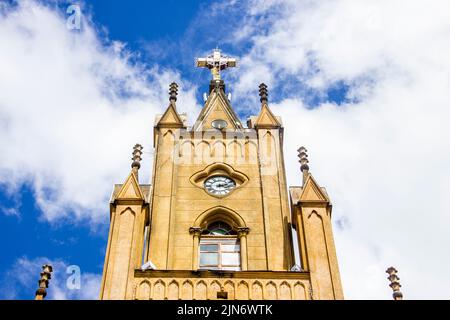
<point>263,93</point>
<point>173,92</point>
<point>395,284</point>
<point>46,275</point>
<point>137,157</point>
<point>303,156</point>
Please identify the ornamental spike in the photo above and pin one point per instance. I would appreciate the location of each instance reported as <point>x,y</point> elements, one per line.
<point>394,283</point>
<point>304,162</point>
<point>173,92</point>
<point>46,275</point>
<point>263,93</point>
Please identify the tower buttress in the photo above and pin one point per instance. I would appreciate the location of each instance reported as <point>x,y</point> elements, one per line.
<point>272,173</point>
<point>166,134</point>
<point>311,214</point>
<point>129,215</point>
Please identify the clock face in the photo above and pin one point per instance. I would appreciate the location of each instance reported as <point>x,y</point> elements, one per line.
<point>219,185</point>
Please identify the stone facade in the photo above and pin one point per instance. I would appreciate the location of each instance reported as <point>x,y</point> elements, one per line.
<point>165,222</point>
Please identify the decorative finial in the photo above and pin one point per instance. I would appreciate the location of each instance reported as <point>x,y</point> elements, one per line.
<point>173,92</point>
<point>395,284</point>
<point>303,156</point>
<point>263,93</point>
<point>137,153</point>
<point>216,62</point>
<point>46,275</point>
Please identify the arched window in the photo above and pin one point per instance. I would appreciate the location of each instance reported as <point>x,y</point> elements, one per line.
<point>219,229</point>
<point>219,248</point>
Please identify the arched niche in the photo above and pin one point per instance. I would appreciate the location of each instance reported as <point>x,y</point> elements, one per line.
<point>219,213</point>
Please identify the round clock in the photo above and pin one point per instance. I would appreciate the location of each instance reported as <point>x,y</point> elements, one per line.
<point>219,185</point>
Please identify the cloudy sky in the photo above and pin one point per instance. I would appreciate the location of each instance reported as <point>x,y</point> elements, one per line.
<point>364,85</point>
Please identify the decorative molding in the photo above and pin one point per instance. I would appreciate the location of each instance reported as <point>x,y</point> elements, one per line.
<point>215,169</point>
<point>217,288</point>
<point>243,231</point>
<point>206,274</point>
<point>196,231</point>
<point>219,213</point>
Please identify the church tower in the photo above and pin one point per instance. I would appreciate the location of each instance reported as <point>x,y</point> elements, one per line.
<point>216,221</point>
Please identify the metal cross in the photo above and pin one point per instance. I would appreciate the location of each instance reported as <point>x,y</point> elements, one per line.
<point>216,62</point>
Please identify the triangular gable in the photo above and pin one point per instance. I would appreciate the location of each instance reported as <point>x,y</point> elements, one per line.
<point>312,191</point>
<point>266,119</point>
<point>217,107</point>
<point>170,118</point>
<point>130,190</point>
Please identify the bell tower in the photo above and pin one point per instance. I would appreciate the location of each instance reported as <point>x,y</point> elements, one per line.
<point>216,221</point>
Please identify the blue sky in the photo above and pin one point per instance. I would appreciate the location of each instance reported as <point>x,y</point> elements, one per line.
<point>352,82</point>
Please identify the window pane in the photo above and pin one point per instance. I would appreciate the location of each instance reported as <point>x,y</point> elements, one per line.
<point>231,268</point>
<point>209,268</point>
<point>219,232</point>
<point>230,259</point>
<point>219,228</point>
<point>208,247</point>
<point>207,259</point>
<point>231,247</point>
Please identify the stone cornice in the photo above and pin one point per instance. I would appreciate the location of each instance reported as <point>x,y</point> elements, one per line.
<point>263,274</point>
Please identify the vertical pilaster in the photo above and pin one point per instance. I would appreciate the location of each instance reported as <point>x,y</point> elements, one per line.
<point>196,232</point>
<point>242,234</point>
<point>162,199</point>
<point>275,200</point>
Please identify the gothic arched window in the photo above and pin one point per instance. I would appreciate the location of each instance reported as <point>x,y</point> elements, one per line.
<point>219,248</point>
<point>219,229</point>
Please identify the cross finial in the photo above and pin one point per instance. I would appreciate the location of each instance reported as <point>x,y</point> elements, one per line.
<point>46,275</point>
<point>395,284</point>
<point>173,92</point>
<point>216,62</point>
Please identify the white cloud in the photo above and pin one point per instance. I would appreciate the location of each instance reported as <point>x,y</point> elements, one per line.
<point>71,108</point>
<point>10,211</point>
<point>21,280</point>
<point>384,158</point>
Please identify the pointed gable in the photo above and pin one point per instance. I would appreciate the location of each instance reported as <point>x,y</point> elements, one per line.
<point>170,118</point>
<point>312,191</point>
<point>217,107</point>
<point>266,119</point>
<point>130,190</point>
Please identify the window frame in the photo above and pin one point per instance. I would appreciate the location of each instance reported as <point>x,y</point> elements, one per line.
<point>220,241</point>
